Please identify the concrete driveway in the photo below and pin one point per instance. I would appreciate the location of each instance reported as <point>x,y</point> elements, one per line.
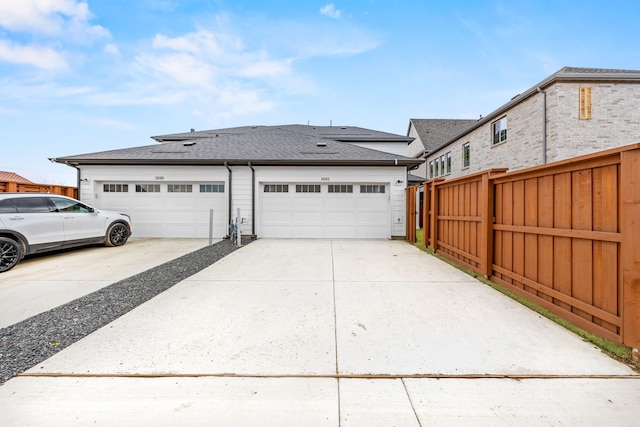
<point>327,332</point>
<point>40,283</point>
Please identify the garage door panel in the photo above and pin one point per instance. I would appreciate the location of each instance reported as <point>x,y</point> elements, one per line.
<point>343,202</point>
<point>164,214</point>
<point>324,214</point>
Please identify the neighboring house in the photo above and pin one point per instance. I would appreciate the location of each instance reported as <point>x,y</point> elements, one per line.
<point>288,181</point>
<point>573,112</point>
<point>428,134</point>
<point>13,177</point>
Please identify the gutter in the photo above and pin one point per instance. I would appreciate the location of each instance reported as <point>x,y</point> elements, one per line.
<point>253,201</point>
<point>230,182</point>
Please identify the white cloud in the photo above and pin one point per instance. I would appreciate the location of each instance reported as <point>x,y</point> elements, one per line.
<point>330,11</point>
<point>112,50</point>
<point>68,18</point>
<point>38,56</point>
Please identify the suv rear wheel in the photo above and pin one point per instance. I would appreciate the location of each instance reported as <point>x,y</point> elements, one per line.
<point>10,253</point>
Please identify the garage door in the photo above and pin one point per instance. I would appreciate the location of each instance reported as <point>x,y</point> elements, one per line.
<point>168,209</point>
<point>325,210</point>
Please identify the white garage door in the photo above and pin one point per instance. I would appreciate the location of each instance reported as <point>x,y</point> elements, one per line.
<point>325,210</point>
<point>168,209</point>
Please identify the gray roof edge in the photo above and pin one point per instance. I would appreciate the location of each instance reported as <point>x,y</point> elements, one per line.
<point>401,161</point>
<point>560,75</point>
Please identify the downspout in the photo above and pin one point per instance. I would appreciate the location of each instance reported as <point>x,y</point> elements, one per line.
<point>544,125</point>
<point>230,182</point>
<point>253,201</point>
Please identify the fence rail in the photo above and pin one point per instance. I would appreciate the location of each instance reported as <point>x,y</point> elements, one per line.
<point>564,235</point>
<point>19,187</point>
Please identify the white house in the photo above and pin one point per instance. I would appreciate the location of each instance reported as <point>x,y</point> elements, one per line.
<point>288,181</point>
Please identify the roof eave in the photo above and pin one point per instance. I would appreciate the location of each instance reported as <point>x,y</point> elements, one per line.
<point>238,162</point>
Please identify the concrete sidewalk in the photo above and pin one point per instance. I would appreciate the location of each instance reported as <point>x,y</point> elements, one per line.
<point>320,332</point>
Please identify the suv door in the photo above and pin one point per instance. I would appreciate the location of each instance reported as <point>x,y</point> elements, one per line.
<point>79,220</point>
<point>36,219</point>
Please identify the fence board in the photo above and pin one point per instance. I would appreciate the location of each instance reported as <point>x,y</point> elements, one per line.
<point>582,250</point>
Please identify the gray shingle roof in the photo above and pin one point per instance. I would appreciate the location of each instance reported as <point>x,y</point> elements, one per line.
<point>336,133</point>
<point>260,146</point>
<point>434,132</point>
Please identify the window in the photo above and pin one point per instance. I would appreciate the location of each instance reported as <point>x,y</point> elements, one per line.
<point>66,205</point>
<point>585,103</point>
<point>7,206</point>
<point>437,168</point>
<point>212,188</point>
<point>33,205</point>
<point>340,188</point>
<point>442,164</point>
<point>115,188</point>
<point>499,130</point>
<point>307,188</point>
<point>431,175</point>
<point>147,188</point>
<point>372,188</point>
<point>179,188</point>
<point>449,162</point>
<point>276,188</point>
<point>466,155</point>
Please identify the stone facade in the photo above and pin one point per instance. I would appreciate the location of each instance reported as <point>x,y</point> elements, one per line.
<point>615,122</point>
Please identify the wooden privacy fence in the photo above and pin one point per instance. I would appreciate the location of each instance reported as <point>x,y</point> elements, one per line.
<point>565,235</point>
<point>19,187</point>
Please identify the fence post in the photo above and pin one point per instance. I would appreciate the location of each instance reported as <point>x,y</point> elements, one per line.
<point>486,225</point>
<point>425,212</point>
<point>630,247</point>
<point>433,221</point>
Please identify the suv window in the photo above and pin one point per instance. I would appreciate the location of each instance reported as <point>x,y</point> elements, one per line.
<point>65,205</point>
<point>32,205</point>
<point>7,206</point>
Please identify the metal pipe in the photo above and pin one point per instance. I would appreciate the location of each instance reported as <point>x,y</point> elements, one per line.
<point>253,201</point>
<point>544,125</point>
<point>230,182</point>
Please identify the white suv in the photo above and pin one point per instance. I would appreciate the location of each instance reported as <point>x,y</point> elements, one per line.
<point>34,222</point>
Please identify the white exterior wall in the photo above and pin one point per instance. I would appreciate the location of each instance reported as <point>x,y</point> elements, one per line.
<point>241,187</point>
<point>241,195</point>
<point>144,174</point>
<point>398,148</point>
<point>395,177</point>
<point>416,148</point>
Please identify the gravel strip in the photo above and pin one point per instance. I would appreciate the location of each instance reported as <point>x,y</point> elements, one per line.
<point>27,343</point>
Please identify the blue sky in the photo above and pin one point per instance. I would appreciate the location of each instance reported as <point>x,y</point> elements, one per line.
<point>84,76</point>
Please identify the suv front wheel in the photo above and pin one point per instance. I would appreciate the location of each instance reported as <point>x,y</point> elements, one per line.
<point>117,234</point>
<point>10,253</point>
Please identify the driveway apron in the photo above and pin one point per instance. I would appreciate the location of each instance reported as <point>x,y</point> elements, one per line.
<point>327,332</point>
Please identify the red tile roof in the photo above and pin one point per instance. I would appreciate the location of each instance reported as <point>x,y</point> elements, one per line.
<point>13,177</point>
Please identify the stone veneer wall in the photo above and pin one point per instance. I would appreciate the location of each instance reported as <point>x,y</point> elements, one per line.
<point>615,122</point>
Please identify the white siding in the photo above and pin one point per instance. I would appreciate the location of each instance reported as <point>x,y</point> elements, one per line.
<point>242,196</point>
<point>398,148</point>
